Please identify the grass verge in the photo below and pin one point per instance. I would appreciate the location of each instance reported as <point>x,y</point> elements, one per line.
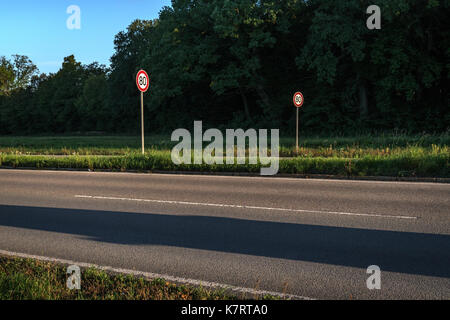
<point>403,165</point>
<point>392,155</point>
<point>33,279</point>
<point>349,147</point>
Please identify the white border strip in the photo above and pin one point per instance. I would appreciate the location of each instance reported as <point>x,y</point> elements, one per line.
<point>245,207</point>
<point>151,275</point>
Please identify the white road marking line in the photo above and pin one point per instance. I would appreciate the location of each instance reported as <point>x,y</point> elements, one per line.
<point>151,275</point>
<point>245,207</point>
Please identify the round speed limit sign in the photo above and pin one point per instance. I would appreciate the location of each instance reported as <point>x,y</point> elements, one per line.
<point>142,81</point>
<point>298,99</point>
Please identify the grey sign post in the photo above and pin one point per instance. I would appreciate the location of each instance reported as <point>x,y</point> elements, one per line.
<point>142,82</point>
<point>298,102</point>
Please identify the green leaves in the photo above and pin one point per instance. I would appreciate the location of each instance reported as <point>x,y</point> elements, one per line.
<point>15,74</point>
<point>238,62</point>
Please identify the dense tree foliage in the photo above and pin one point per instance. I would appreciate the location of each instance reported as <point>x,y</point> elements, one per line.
<point>60,102</point>
<point>15,74</point>
<point>236,63</point>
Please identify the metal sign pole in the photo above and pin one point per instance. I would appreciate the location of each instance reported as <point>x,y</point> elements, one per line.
<point>142,82</point>
<point>142,120</point>
<point>298,102</point>
<point>296,135</point>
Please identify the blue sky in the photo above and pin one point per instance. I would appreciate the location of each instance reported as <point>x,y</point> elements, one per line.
<point>37,28</point>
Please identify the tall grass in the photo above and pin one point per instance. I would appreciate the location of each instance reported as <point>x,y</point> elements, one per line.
<point>389,155</point>
<point>123,145</point>
<point>409,164</point>
<point>25,279</point>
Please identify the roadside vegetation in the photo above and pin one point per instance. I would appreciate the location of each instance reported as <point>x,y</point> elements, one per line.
<point>232,64</point>
<point>237,64</point>
<point>394,155</point>
<point>33,279</point>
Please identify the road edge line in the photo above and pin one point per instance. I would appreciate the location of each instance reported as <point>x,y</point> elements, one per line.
<point>151,275</point>
<point>284,176</point>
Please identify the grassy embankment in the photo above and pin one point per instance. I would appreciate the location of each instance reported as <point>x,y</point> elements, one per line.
<point>33,279</point>
<point>384,155</point>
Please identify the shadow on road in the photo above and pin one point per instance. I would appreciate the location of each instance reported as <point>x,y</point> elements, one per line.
<point>404,252</point>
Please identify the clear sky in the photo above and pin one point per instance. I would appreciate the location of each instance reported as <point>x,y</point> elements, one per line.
<point>37,28</point>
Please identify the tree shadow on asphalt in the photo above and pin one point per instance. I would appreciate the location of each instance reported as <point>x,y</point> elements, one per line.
<point>404,252</point>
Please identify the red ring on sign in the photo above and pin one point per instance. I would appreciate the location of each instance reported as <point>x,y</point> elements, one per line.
<point>137,80</point>
<point>295,103</point>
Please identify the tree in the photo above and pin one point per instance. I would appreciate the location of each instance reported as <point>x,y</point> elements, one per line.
<point>126,61</point>
<point>6,75</point>
<point>237,63</point>
<point>217,56</point>
<point>92,104</point>
<point>16,74</point>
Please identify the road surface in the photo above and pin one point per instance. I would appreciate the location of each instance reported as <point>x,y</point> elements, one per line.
<point>308,238</point>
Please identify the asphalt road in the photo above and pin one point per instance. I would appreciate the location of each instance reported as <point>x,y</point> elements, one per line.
<point>311,238</point>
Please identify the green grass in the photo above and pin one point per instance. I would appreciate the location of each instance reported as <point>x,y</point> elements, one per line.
<point>33,279</point>
<point>81,145</point>
<point>310,146</point>
<point>384,155</point>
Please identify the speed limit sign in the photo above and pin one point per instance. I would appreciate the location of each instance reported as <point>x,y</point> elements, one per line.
<point>298,102</point>
<point>142,81</point>
<point>298,99</point>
